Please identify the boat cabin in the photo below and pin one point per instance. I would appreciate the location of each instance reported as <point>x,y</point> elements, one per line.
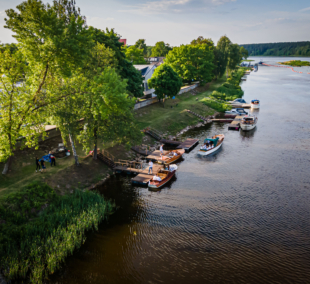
<point>255,102</point>
<point>248,120</point>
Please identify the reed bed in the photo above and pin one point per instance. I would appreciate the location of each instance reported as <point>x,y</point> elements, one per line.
<point>35,248</point>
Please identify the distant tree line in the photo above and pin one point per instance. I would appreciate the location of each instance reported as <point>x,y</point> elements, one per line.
<point>301,48</point>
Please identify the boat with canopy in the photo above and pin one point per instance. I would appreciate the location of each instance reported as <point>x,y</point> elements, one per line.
<point>212,145</point>
<point>248,122</point>
<point>255,104</point>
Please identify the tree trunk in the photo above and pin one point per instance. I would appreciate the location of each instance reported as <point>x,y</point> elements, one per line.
<point>164,102</point>
<point>95,146</point>
<point>6,166</point>
<point>74,151</point>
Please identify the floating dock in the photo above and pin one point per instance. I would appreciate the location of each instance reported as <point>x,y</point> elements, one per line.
<point>144,177</point>
<point>188,144</point>
<point>241,105</point>
<point>235,124</point>
<point>156,157</point>
<point>171,142</point>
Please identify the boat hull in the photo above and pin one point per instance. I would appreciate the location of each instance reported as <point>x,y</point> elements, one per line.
<point>247,127</point>
<point>157,185</point>
<point>209,152</point>
<point>255,106</point>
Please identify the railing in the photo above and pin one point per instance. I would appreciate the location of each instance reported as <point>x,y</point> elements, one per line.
<point>108,155</point>
<point>130,164</point>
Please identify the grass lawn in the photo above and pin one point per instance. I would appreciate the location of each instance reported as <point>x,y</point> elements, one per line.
<point>173,117</point>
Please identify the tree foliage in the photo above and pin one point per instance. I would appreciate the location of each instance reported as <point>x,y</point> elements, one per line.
<point>192,62</point>
<point>221,54</point>
<point>202,40</point>
<point>244,53</point>
<point>140,44</point>
<point>135,55</point>
<point>165,81</point>
<point>160,49</point>
<point>301,48</point>
<point>234,56</point>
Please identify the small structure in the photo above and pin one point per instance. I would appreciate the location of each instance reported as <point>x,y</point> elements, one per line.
<point>146,73</point>
<point>155,60</point>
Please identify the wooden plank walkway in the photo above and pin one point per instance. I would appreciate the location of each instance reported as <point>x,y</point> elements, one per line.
<point>171,142</point>
<point>155,156</point>
<point>143,178</point>
<point>188,144</point>
<point>235,124</point>
<point>241,105</point>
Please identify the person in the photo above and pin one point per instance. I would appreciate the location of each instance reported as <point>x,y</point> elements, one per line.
<point>161,149</point>
<point>37,165</point>
<point>53,160</point>
<point>150,166</point>
<point>42,165</point>
<point>175,153</point>
<point>156,178</point>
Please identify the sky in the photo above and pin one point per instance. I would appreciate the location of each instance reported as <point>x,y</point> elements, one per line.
<point>180,21</point>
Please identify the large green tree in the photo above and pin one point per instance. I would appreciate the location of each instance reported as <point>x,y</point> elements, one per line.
<point>244,53</point>
<point>221,54</point>
<point>50,44</point>
<point>165,81</point>
<point>124,67</point>
<point>234,57</point>
<point>192,62</point>
<point>160,49</point>
<point>202,40</point>
<point>141,45</point>
<point>134,55</point>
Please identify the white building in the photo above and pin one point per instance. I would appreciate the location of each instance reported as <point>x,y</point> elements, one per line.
<point>146,73</point>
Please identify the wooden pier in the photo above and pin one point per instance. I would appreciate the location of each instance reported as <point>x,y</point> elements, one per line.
<point>240,105</point>
<point>222,120</point>
<point>171,142</point>
<point>156,156</point>
<point>235,124</point>
<point>188,144</point>
<point>144,177</point>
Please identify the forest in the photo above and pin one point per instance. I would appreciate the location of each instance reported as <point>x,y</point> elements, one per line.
<point>301,48</point>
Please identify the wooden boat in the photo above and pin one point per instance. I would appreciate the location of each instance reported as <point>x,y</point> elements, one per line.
<point>171,156</point>
<point>165,176</point>
<point>217,142</point>
<point>248,122</point>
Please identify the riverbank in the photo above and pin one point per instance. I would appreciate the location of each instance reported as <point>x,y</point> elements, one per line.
<point>40,228</point>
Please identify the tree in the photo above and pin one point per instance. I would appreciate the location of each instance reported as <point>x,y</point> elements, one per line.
<point>166,82</point>
<point>135,55</point>
<point>221,53</point>
<point>52,45</point>
<point>160,49</point>
<point>234,56</point>
<point>124,67</point>
<point>244,53</point>
<point>140,44</point>
<point>192,62</point>
<point>202,40</point>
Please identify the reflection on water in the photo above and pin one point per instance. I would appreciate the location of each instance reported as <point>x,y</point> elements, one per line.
<point>240,216</point>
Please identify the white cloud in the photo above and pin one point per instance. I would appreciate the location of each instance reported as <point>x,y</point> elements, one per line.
<point>305,9</point>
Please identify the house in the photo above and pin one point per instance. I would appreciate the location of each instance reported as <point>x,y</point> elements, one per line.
<point>155,60</point>
<point>146,73</point>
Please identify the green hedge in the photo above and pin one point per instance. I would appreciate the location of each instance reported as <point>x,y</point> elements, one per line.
<point>36,247</point>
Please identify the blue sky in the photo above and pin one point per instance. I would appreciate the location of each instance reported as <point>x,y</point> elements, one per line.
<point>179,21</point>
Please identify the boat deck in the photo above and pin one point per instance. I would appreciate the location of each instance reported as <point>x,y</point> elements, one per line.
<point>241,105</point>
<point>188,144</point>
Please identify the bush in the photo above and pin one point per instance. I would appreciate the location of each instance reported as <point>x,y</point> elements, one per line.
<point>219,106</point>
<point>36,248</point>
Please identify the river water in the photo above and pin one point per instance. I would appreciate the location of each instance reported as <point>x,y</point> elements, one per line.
<point>240,216</point>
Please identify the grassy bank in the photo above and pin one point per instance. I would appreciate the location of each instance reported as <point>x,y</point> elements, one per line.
<point>296,63</point>
<point>173,117</point>
<point>34,242</point>
<point>228,91</point>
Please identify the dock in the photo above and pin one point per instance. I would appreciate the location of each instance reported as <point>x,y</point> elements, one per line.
<point>171,142</point>
<point>155,156</point>
<point>241,105</point>
<point>222,120</point>
<point>143,177</point>
<point>235,124</point>
<point>188,144</point>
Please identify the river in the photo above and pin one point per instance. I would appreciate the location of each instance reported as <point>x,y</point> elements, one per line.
<point>240,216</point>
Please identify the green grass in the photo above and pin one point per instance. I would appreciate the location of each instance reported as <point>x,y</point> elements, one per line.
<point>33,243</point>
<point>172,120</point>
<point>296,63</point>
<point>248,60</point>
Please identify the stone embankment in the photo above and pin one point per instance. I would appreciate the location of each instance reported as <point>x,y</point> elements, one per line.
<point>2,281</point>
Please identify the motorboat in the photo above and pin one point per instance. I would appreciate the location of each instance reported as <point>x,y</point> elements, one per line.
<point>163,176</point>
<point>255,104</point>
<point>216,141</point>
<point>171,157</point>
<point>248,122</point>
<point>236,111</point>
<point>238,101</point>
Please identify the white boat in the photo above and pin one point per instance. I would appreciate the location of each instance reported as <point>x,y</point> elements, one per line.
<point>217,141</point>
<point>248,122</point>
<point>255,104</point>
